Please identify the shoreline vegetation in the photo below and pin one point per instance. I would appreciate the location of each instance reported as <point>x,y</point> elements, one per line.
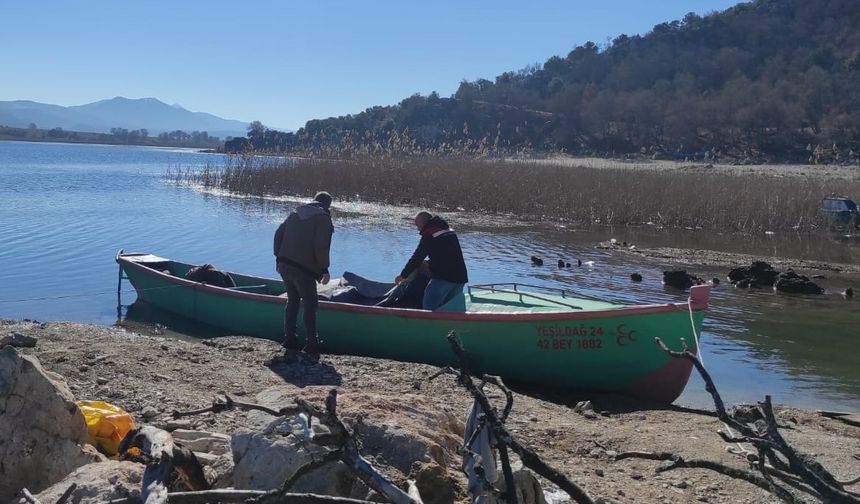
<point>119,136</point>
<point>707,197</point>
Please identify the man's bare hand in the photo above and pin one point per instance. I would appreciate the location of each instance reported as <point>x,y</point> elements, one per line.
<point>398,279</point>
<point>325,278</point>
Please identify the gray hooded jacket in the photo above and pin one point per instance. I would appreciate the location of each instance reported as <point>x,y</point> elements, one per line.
<point>304,239</point>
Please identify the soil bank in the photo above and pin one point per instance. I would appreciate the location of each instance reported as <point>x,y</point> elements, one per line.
<point>146,373</point>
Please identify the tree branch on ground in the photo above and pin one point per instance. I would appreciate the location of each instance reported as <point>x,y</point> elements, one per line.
<point>776,461</point>
<point>249,496</point>
<point>63,498</point>
<point>27,496</point>
<point>341,442</point>
<point>504,439</point>
<point>227,403</point>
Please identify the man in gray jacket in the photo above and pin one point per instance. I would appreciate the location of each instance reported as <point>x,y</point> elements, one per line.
<point>302,244</point>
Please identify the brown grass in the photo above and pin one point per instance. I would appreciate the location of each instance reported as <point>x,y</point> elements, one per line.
<point>717,201</point>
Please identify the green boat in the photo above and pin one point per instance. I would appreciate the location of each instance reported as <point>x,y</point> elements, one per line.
<point>527,334</point>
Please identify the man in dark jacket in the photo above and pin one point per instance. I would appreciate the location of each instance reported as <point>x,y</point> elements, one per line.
<point>446,266</point>
<point>301,246</point>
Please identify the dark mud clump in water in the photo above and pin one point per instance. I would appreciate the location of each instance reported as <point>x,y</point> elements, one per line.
<point>792,283</point>
<point>680,279</point>
<point>758,274</point>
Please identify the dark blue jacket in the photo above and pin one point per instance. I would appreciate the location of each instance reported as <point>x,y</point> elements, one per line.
<point>440,243</point>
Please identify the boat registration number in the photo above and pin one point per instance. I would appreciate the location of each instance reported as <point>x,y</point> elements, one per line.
<point>569,337</point>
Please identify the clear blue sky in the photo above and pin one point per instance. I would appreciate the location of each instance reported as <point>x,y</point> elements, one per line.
<point>284,62</point>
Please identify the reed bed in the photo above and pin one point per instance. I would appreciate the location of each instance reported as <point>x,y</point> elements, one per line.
<point>585,195</point>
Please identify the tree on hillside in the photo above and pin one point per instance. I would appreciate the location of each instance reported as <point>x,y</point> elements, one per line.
<point>761,80</point>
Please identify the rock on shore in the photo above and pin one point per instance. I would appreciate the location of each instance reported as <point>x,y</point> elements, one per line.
<point>42,431</point>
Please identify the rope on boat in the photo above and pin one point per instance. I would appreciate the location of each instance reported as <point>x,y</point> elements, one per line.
<point>84,294</point>
<point>699,355</point>
<point>693,326</point>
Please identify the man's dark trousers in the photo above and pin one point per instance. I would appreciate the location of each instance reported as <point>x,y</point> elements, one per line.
<point>301,289</point>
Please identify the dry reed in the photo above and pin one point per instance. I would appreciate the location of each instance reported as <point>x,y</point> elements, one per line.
<point>714,201</point>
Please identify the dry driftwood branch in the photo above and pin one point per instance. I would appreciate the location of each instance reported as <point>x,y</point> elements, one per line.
<point>63,498</point>
<point>293,498</point>
<point>529,458</point>
<point>250,496</point>
<point>850,482</point>
<point>346,447</point>
<point>793,481</point>
<point>677,461</point>
<point>27,496</point>
<point>509,396</point>
<point>485,419</point>
<point>330,456</point>
<point>800,471</point>
<point>510,494</point>
<point>442,371</point>
<point>482,423</point>
<point>777,469</point>
<point>775,489</point>
<point>722,414</point>
<point>816,475</point>
<point>350,453</point>
<point>478,465</point>
<point>227,403</point>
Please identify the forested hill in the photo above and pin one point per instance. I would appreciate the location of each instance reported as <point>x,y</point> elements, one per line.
<point>765,80</point>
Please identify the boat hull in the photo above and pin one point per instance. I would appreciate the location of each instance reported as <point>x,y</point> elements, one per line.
<point>609,351</point>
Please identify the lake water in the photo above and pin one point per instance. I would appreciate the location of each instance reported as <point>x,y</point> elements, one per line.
<point>66,209</point>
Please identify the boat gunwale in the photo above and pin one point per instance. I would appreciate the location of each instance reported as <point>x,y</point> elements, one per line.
<point>696,303</point>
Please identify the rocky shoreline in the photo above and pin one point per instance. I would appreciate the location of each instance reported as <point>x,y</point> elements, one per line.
<point>410,426</point>
<point>745,270</point>
<point>714,258</point>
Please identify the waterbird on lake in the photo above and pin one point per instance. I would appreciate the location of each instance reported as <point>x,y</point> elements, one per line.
<point>537,261</point>
<point>636,277</point>
<point>561,263</point>
<point>715,281</point>
<point>848,293</point>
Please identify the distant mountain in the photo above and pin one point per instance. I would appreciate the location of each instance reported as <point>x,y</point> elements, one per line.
<point>99,117</point>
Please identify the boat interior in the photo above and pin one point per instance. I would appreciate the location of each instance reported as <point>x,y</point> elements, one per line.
<point>354,289</point>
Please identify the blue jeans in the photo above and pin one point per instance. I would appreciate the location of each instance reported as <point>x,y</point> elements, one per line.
<point>439,292</point>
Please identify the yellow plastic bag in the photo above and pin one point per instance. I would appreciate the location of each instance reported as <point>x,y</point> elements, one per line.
<point>107,425</point>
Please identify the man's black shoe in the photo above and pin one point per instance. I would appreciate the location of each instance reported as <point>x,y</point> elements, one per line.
<point>310,354</point>
<point>288,357</point>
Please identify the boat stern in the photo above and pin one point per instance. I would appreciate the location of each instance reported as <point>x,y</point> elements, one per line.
<point>665,384</point>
